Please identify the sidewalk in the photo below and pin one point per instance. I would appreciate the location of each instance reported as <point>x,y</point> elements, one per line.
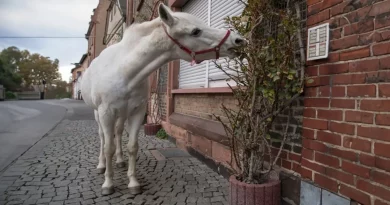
<point>60,169</point>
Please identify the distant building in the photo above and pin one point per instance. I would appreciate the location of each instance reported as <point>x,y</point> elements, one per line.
<point>77,75</point>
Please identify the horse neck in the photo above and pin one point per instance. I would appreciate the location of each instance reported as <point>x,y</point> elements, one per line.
<point>150,48</point>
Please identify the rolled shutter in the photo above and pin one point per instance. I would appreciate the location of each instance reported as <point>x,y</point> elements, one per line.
<point>220,9</point>
<point>194,76</point>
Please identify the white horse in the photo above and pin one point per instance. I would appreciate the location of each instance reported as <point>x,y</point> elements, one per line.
<point>116,85</point>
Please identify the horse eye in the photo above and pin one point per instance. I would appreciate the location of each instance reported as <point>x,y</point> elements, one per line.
<point>196,32</point>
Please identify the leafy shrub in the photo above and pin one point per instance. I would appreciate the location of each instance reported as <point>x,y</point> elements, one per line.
<point>10,95</point>
<point>162,134</point>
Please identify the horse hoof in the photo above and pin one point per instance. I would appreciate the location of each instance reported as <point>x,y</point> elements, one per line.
<point>135,190</point>
<point>107,191</point>
<point>101,170</point>
<point>121,164</point>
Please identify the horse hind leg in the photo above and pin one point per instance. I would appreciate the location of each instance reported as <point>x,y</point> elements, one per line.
<point>120,163</point>
<point>101,167</point>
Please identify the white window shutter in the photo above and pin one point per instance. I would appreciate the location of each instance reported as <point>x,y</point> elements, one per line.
<point>194,76</point>
<point>220,9</point>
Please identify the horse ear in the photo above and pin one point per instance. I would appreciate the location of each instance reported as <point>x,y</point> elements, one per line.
<point>165,14</point>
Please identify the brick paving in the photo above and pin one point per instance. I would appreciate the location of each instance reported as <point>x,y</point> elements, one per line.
<point>61,169</point>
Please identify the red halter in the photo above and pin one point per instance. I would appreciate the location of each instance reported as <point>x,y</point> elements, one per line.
<point>192,53</point>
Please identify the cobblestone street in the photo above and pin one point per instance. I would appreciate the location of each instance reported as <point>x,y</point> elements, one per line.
<point>60,169</point>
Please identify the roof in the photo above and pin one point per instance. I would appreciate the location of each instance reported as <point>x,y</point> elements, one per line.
<point>79,64</point>
<point>76,66</point>
<point>83,59</point>
<point>91,23</point>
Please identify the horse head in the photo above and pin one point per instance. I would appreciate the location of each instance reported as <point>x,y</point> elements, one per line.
<point>197,41</point>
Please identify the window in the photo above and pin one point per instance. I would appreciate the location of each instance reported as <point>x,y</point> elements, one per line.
<point>194,76</point>
<point>206,74</point>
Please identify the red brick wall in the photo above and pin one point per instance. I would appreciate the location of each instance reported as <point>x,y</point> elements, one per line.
<point>346,134</point>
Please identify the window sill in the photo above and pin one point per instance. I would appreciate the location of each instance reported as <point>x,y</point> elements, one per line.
<point>202,90</point>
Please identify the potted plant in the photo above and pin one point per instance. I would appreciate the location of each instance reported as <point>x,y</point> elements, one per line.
<point>153,125</point>
<point>268,76</point>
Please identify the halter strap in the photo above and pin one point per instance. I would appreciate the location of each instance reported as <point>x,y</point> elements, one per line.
<point>192,53</point>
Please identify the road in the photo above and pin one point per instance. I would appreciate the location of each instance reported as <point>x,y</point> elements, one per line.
<point>23,123</point>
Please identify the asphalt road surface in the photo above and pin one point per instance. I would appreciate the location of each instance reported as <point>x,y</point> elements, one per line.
<point>23,123</point>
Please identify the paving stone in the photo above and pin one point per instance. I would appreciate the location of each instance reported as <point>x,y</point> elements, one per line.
<point>115,200</point>
<point>49,195</point>
<point>74,200</point>
<point>43,200</point>
<point>106,198</point>
<point>216,199</point>
<point>203,203</point>
<point>103,203</point>
<point>17,192</point>
<point>191,199</point>
<point>30,201</point>
<point>60,198</point>
<point>74,196</point>
<point>13,202</point>
<point>127,201</point>
<point>18,198</point>
<point>89,201</point>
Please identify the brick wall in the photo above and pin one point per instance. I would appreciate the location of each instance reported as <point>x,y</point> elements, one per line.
<point>346,124</point>
<point>292,148</point>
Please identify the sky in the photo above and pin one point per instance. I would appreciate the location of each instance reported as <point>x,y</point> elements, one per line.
<point>47,18</point>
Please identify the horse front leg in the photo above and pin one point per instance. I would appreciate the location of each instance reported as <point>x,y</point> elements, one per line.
<point>133,124</point>
<point>107,121</point>
<point>120,163</point>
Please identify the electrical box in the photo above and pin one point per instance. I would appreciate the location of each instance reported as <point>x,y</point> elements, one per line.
<point>318,42</point>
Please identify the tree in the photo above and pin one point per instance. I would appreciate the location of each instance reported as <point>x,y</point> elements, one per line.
<point>9,60</point>
<point>21,68</point>
<point>37,68</point>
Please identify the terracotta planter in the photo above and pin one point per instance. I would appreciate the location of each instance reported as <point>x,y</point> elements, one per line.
<point>151,129</point>
<point>254,194</point>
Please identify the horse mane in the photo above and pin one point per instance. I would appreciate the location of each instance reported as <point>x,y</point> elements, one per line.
<point>137,30</point>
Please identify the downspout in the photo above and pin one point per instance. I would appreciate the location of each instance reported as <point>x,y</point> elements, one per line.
<point>94,41</point>
<point>208,62</point>
<point>129,17</point>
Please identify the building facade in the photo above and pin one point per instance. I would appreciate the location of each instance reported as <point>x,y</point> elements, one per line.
<point>96,30</point>
<point>115,22</point>
<point>338,154</point>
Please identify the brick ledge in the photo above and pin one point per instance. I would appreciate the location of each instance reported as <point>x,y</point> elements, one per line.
<point>206,128</point>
